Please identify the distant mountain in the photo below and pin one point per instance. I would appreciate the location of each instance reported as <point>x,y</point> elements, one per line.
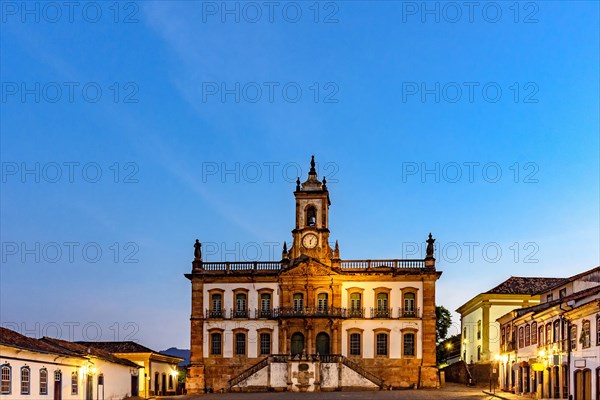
<point>175,352</point>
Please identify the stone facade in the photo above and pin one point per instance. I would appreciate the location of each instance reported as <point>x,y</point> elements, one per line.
<point>377,315</point>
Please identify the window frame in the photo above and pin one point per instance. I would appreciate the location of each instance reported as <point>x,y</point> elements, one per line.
<point>265,313</point>
<point>355,312</point>
<point>382,312</point>
<point>573,333</point>
<point>527,335</point>
<point>349,333</point>
<point>259,333</point>
<point>479,329</point>
<point>298,304</point>
<point>214,313</point>
<point>586,344</point>
<point>322,308</point>
<point>25,384</point>
<point>521,337</point>
<point>376,333</point>
<point>405,332</point>
<point>236,333</point>
<point>43,371</point>
<point>9,381</point>
<point>407,312</point>
<point>239,313</point>
<point>598,330</point>
<point>534,333</point>
<point>74,383</point>
<point>211,349</point>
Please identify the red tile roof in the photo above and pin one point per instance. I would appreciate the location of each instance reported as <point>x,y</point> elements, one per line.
<point>14,339</point>
<point>524,285</point>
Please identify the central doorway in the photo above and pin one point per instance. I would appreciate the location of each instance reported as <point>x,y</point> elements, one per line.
<point>297,343</point>
<point>323,343</point>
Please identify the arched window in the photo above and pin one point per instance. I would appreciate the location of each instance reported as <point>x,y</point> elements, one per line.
<point>311,216</point>
<point>43,381</point>
<point>573,337</point>
<point>322,302</point>
<point>355,305</point>
<point>541,335</point>
<point>170,382</point>
<point>502,338</point>
<point>521,337</point>
<point>25,380</point>
<point>548,333</point>
<point>534,333</point>
<point>556,331</point>
<point>297,343</point>
<point>408,344</point>
<point>298,301</point>
<point>527,335</point>
<point>6,379</point>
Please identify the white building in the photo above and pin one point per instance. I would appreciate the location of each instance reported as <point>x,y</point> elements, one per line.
<point>56,369</point>
<point>552,350</point>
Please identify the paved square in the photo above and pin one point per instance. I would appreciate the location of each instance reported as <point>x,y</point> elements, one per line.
<point>451,391</point>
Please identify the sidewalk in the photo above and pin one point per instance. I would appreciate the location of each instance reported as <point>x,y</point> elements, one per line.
<point>504,395</point>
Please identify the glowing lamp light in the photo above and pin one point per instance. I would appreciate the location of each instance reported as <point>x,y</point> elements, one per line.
<point>541,353</point>
<point>497,357</point>
<point>174,373</point>
<point>93,370</point>
<point>448,346</point>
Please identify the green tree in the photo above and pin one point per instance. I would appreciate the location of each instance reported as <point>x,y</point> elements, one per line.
<point>442,323</point>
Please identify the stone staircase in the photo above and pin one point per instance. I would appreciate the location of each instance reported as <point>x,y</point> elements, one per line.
<point>284,372</point>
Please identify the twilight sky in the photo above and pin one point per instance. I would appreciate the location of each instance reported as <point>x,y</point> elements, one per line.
<point>129,131</point>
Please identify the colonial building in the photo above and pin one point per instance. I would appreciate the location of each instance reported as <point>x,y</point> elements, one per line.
<point>158,373</point>
<point>480,331</point>
<point>552,350</point>
<point>56,369</point>
<point>312,321</point>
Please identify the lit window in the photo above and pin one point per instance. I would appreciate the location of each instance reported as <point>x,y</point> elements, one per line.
<point>527,335</point>
<point>409,344</point>
<point>585,334</point>
<point>556,330</point>
<point>534,333</point>
<point>6,380</point>
<point>43,381</point>
<point>562,293</point>
<point>265,343</point>
<point>355,346</point>
<point>549,298</point>
<point>382,344</point>
<point>25,380</point>
<point>74,383</point>
<point>240,344</point>
<point>215,344</point>
<point>541,335</point>
<point>521,337</point>
<point>574,337</point>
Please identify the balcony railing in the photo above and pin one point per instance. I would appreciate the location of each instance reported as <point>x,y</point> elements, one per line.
<point>276,266</point>
<point>314,312</point>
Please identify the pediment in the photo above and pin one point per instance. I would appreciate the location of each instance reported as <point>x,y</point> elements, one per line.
<point>307,266</point>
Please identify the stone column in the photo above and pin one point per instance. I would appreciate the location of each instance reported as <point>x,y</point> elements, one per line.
<point>485,332</point>
<point>336,340</point>
<point>429,377</point>
<point>195,380</point>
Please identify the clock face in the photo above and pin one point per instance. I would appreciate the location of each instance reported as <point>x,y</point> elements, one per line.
<point>310,241</point>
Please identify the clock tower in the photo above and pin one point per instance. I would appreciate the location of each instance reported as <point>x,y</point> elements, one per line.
<point>311,234</point>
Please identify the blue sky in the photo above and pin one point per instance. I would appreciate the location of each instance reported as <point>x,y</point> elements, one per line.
<point>388,91</point>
